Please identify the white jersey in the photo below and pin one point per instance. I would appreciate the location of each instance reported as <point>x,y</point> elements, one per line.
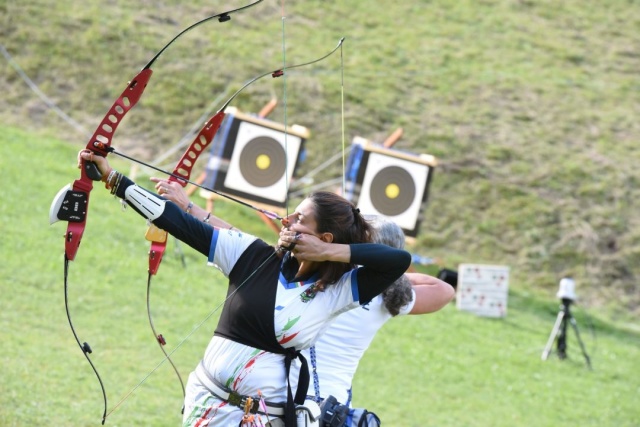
<point>265,319</point>
<point>300,315</point>
<point>339,349</point>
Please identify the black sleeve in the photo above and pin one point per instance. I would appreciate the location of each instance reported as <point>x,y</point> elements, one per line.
<point>174,221</point>
<point>381,265</point>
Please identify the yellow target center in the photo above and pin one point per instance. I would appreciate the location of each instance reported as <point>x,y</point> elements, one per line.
<point>392,191</point>
<point>263,162</point>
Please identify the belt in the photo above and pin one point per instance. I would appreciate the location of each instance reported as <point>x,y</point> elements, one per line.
<point>233,397</point>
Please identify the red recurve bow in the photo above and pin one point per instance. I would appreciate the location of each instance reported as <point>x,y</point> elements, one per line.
<point>72,202</point>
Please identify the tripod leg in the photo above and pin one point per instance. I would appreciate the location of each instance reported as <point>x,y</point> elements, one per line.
<point>584,351</point>
<point>562,336</point>
<point>552,337</point>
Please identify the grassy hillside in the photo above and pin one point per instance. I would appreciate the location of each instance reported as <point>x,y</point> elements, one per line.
<point>530,106</point>
<point>450,368</point>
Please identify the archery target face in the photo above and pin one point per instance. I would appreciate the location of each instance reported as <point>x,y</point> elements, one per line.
<point>261,163</point>
<point>394,188</point>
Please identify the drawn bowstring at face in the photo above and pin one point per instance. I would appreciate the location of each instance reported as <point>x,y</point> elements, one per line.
<point>332,219</point>
<point>303,219</point>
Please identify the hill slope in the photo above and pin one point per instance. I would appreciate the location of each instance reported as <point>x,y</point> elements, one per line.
<point>530,106</point>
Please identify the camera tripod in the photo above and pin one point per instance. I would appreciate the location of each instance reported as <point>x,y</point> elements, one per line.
<point>559,331</point>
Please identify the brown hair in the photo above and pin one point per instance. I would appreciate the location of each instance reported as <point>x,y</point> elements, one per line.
<point>336,215</point>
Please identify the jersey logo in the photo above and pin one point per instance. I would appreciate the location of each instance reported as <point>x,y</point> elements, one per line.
<point>309,294</point>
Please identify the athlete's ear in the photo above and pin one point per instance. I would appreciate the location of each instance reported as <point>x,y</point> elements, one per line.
<point>326,237</point>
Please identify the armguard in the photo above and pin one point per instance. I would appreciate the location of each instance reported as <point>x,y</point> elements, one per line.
<point>147,203</point>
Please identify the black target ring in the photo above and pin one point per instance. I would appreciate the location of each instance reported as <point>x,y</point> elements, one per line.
<point>262,161</point>
<point>392,191</point>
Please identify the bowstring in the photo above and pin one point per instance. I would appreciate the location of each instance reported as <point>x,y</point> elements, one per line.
<point>344,173</point>
<point>212,312</point>
<point>181,343</point>
<point>285,111</point>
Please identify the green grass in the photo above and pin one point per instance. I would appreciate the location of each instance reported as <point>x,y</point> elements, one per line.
<point>449,368</point>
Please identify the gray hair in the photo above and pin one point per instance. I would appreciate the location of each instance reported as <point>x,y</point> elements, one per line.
<point>389,233</point>
<point>386,232</point>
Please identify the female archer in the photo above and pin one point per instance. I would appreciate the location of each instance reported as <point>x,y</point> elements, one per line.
<point>279,300</point>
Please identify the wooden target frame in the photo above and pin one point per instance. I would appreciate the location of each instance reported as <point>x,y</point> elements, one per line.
<point>389,183</point>
<point>254,159</point>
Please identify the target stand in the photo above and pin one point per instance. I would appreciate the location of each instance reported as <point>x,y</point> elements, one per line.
<point>390,183</point>
<point>559,333</point>
<point>254,159</point>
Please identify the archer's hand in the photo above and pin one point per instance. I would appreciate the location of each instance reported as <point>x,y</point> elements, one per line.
<point>306,247</point>
<point>89,156</point>
<point>171,190</point>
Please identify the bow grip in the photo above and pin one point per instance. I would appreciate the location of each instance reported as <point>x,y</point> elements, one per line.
<point>92,171</point>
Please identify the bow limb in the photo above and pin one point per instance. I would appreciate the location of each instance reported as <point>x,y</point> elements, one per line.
<point>222,17</point>
<point>160,339</point>
<point>205,136</point>
<point>86,349</point>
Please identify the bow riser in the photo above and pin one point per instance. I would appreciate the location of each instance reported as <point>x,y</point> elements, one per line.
<point>183,169</point>
<point>198,146</point>
<point>99,144</point>
<point>103,135</point>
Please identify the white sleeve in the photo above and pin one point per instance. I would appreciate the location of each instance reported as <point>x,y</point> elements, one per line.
<point>227,246</point>
<point>343,295</point>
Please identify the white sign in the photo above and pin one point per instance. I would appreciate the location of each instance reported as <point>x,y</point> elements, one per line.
<point>483,289</point>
